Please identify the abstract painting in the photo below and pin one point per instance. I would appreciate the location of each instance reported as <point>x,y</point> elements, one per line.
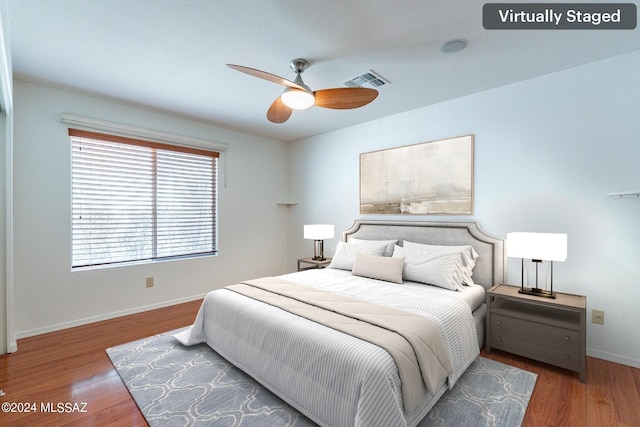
<point>431,178</point>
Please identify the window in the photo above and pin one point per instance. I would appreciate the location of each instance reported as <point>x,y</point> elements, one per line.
<point>135,200</point>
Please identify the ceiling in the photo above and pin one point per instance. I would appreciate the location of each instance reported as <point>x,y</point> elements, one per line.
<point>171,54</point>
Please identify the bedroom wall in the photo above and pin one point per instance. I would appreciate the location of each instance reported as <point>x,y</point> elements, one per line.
<point>3,235</point>
<point>49,296</point>
<point>6,144</point>
<point>547,153</point>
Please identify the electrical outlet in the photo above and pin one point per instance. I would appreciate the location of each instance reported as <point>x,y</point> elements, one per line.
<point>149,282</point>
<point>597,316</point>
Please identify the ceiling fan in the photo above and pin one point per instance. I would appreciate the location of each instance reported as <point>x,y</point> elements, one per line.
<point>298,96</point>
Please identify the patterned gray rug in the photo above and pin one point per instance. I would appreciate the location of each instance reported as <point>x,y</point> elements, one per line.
<point>175,385</point>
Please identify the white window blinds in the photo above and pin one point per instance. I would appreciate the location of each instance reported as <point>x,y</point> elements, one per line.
<point>135,200</point>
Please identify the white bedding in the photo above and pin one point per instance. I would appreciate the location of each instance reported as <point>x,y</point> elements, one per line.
<point>343,280</point>
<point>333,378</point>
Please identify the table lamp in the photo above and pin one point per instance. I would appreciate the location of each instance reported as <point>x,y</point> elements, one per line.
<point>537,247</point>
<point>318,232</point>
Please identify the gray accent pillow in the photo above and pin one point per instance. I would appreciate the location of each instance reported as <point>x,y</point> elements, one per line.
<point>378,267</point>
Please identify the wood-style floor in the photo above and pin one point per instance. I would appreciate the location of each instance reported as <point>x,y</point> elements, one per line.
<point>71,367</point>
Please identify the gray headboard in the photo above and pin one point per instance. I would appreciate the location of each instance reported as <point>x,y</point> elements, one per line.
<point>490,265</point>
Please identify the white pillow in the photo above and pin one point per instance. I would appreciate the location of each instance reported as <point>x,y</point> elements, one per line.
<point>388,250</point>
<point>346,253</point>
<point>378,267</point>
<point>467,253</point>
<point>442,270</point>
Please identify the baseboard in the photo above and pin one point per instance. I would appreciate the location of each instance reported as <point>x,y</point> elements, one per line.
<point>107,316</point>
<point>615,358</point>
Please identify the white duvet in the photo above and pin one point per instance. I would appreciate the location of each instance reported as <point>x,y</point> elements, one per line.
<point>333,378</point>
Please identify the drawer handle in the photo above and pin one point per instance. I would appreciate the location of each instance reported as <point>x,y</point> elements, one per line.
<point>499,338</point>
<point>566,338</point>
<point>566,356</point>
<point>499,322</point>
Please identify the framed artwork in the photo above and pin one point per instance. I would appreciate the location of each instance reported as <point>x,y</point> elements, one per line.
<point>431,178</point>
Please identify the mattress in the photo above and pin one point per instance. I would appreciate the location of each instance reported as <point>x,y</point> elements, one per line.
<point>331,377</point>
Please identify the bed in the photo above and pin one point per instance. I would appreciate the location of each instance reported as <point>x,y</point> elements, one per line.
<point>337,367</point>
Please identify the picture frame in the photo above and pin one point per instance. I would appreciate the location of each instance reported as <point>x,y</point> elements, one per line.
<point>430,178</point>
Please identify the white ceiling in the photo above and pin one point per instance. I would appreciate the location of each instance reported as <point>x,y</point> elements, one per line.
<point>171,54</point>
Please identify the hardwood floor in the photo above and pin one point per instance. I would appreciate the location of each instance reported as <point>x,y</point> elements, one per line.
<point>610,397</point>
<point>71,367</point>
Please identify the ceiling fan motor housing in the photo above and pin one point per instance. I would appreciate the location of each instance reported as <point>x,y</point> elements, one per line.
<point>299,65</point>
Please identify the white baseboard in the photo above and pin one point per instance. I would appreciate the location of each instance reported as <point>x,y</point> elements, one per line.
<point>615,358</point>
<point>93,319</point>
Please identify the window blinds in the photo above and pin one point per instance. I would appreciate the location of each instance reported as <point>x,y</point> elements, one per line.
<point>135,200</point>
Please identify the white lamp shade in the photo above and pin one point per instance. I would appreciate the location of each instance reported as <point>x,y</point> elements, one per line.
<point>297,99</point>
<point>542,246</point>
<point>318,231</point>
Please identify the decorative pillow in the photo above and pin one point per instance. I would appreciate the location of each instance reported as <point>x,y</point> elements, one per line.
<point>388,250</point>
<point>346,253</point>
<point>467,253</point>
<point>378,267</point>
<point>442,270</point>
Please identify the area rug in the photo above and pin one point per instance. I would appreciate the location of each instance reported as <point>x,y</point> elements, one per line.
<point>175,385</point>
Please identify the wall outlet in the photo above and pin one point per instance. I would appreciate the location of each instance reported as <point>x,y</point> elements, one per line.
<point>149,282</point>
<point>597,316</point>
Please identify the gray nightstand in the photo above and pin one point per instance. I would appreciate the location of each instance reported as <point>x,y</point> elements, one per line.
<point>549,330</point>
<point>314,263</point>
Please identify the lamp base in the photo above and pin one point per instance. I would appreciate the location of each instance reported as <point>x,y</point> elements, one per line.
<point>537,292</point>
<point>318,250</point>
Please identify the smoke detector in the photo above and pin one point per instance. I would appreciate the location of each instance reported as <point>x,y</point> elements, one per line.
<point>368,79</point>
<point>453,46</point>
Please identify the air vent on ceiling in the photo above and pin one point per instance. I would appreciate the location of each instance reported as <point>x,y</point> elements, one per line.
<point>368,79</point>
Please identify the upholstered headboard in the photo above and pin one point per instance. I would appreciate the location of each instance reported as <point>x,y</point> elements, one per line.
<point>490,265</point>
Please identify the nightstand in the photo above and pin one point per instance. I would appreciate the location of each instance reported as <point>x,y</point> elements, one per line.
<point>548,330</point>
<point>314,263</point>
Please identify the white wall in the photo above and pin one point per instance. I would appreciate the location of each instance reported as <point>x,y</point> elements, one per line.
<point>6,145</point>
<point>49,296</point>
<point>3,234</point>
<point>547,153</point>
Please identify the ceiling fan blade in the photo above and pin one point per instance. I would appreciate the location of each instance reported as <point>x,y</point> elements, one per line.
<point>266,76</point>
<point>344,98</point>
<point>278,112</point>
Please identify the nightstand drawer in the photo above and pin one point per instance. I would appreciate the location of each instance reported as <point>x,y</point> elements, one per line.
<point>559,355</point>
<point>547,333</point>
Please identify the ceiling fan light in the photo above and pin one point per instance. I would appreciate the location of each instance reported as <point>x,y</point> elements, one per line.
<point>297,99</point>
